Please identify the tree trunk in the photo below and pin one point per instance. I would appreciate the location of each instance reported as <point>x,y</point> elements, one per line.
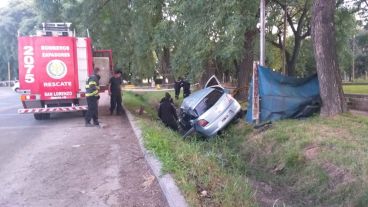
<point>291,63</point>
<point>210,70</point>
<point>244,69</point>
<point>166,66</point>
<point>220,71</point>
<point>324,46</point>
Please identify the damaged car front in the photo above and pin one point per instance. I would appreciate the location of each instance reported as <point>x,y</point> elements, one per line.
<point>209,110</point>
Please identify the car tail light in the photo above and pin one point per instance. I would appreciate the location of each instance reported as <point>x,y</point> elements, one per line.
<point>202,123</point>
<point>229,97</point>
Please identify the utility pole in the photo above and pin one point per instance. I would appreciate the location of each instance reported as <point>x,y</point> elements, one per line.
<point>353,67</point>
<point>285,72</point>
<point>9,73</point>
<point>262,29</point>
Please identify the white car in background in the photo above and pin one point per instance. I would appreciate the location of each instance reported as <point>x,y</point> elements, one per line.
<point>16,86</point>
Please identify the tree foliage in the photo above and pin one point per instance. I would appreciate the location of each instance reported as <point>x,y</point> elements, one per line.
<point>361,54</point>
<point>20,18</point>
<point>297,14</point>
<point>185,38</point>
<point>299,54</point>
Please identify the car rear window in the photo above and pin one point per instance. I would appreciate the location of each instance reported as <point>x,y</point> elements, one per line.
<point>208,101</point>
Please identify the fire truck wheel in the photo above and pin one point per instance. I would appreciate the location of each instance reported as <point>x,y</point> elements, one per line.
<point>41,116</point>
<point>38,116</point>
<point>46,116</point>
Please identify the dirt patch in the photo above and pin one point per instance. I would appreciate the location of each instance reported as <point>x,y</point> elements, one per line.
<point>330,132</point>
<point>337,176</point>
<point>266,195</point>
<point>311,152</point>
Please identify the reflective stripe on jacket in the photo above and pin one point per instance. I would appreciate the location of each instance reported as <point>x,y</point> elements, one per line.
<point>92,86</point>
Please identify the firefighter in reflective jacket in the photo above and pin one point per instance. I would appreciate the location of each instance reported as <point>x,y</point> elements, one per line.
<point>92,94</point>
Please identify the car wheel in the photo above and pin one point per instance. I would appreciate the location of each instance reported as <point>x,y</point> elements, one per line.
<point>16,90</point>
<point>241,114</point>
<point>188,133</point>
<point>219,133</point>
<point>238,116</point>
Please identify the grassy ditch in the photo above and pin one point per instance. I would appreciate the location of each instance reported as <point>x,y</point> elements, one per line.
<point>313,162</point>
<point>208,172</point>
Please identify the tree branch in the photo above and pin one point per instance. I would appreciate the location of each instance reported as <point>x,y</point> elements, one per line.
<point>302,17</point>
<point>291,23</point>
<point>274,43</point>
<point>279,3</point>
<point>307,33</point>
<point>289,18</point>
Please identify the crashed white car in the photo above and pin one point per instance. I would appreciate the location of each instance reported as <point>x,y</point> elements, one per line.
<point>209,110</point>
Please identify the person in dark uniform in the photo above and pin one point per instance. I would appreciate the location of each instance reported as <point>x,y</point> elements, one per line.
<point>186,88</point>
<point>92,94</point>
<point>115,93</point>
<point>167,112</point>
<point>177,86</point>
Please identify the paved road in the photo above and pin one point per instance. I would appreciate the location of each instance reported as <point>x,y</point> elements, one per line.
<point>59,162</point>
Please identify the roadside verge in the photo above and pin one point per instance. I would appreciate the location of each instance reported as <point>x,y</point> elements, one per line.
<point>167,183</point>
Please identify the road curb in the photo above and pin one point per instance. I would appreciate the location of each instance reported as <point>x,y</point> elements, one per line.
<point>166,182</point>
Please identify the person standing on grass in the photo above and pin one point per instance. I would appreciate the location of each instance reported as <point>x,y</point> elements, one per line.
<point>186,88</point>
<point>167,112</point>
<point>115,93</point>
<point>92,94</point>
<point>177,86</point>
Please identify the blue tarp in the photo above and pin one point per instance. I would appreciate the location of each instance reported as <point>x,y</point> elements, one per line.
<point>282,96</point>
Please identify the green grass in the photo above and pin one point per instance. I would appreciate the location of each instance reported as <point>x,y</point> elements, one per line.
<point>336,175</point>
<point>196,165</point>
<point>356,89</point>
<point>313,162</point>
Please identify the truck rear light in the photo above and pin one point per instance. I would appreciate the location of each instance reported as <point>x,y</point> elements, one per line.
<point>28,97</point>
<point>202,123</point>
<point>81,95</point>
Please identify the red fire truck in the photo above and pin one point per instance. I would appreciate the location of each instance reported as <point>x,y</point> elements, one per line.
<point>54,66</point>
